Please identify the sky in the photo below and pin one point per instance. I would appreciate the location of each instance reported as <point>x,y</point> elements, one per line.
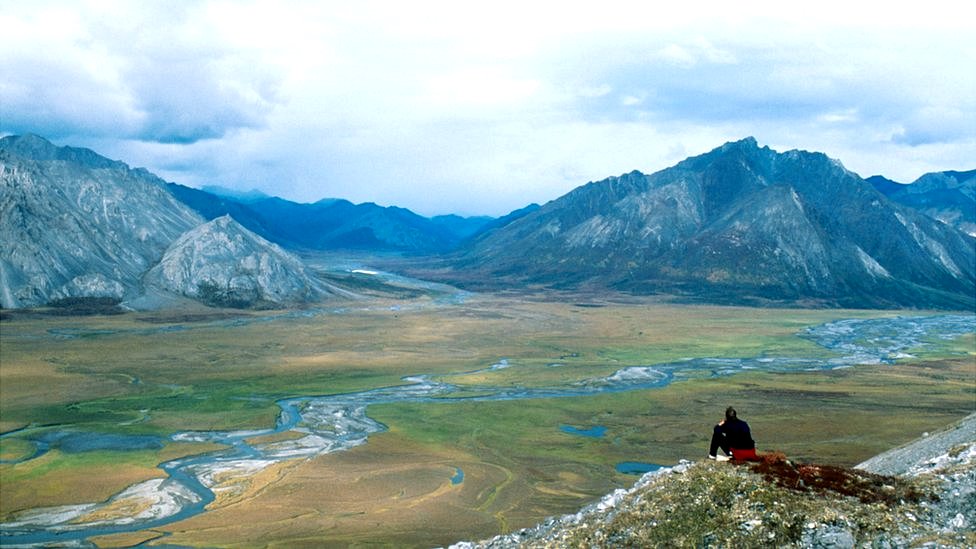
<point>479,108</point>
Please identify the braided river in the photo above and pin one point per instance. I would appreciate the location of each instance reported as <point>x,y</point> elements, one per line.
<point>317,425</point>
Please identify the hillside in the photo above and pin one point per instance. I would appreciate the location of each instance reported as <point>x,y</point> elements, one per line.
<point>85,233</point>
<point>220,263</point>
<point>740,224</point>
<point>778,503</point>
<point>949,196</point>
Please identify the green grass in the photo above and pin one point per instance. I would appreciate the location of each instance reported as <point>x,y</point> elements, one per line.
<point>12,449</point>
<point>58,478</point>
<point>122,376</point>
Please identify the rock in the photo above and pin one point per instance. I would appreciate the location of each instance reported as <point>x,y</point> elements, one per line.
<point>828,537</point>
<point>223,264</point>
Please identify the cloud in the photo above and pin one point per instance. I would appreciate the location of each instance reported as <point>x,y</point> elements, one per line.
<point>195,96</point>
<point>144,74</point>
<point>936,125</point>
<point>695,51</point>
<point>479,86</point>
<point>446,106</point>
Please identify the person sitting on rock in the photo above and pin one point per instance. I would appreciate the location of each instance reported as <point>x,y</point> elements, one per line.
<point>732,435</point>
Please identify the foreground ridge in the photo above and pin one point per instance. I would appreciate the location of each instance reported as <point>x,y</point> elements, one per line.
<point>779,503</point>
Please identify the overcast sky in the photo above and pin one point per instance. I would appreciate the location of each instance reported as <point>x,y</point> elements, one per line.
<point>484,107</point>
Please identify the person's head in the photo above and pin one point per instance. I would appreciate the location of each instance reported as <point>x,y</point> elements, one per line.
<point>729,413</point>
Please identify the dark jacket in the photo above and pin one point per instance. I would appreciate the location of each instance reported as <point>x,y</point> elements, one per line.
<point>737,434</point>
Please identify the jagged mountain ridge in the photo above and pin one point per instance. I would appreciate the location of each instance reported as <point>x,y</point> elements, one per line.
<point>223,264</point>
<point>947,196</point>
<point>76,224</point>
<point>742,224</point>
<point>334,223</point>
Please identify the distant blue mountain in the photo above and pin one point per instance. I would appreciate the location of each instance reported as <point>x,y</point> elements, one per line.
<point>462,227</point>
<point>947,196</point>
<point>334,224</point>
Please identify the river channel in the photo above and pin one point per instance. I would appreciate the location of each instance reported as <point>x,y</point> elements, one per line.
<point>323,424</point>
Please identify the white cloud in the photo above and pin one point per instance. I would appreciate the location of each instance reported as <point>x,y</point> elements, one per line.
<point>481,86</point>
<point>839,116</point>
<point>595,91</point>
<point>448,106</point>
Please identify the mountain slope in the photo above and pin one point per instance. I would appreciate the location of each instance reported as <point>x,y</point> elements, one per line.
<point>75,224</point>
<point>741,223</point>
<point>949,196</point>
<point>223,264</point>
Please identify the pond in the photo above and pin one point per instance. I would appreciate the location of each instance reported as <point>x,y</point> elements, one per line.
<point>636,467</point>
<point>593,432</point>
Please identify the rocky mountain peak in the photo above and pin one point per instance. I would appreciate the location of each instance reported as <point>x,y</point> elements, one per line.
<point>746,144</point>
<point>222,263</point>
<point>741,223</point>
<point>72,228</point>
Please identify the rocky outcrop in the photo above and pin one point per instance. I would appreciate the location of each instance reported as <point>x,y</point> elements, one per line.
<point>75,224</point>
<point>776,503</point>
<point>223,264</point>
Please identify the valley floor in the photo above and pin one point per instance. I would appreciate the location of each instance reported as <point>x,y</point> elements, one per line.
<point>442,469</point>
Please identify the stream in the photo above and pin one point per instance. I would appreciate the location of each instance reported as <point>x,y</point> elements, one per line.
<point>323,424</point>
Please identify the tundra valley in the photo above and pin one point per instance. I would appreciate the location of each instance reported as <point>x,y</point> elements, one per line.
<point>178,369</point>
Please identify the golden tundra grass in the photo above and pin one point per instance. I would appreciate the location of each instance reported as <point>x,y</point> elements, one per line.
<point>518,466</point>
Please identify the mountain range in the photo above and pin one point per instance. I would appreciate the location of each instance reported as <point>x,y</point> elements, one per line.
<point>77,225</point>
<point>949,196</point>
<point>740,224</point>
<point>332,224</point>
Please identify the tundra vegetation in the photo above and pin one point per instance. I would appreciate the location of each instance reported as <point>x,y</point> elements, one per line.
<point>161,373</point>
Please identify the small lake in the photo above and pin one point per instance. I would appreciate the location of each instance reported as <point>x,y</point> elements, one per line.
<point>592,432</point>
<point>636,467</point>
<point>458,477</point>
